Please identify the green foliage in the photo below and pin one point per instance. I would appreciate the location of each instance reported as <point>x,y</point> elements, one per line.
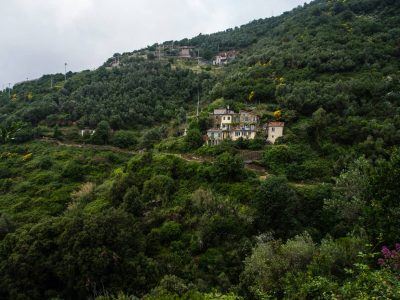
<point>82,222</point>
<point>297,162</point>
<point>37,179</point>
<point>15,132</point>
<point>73,170</point>
<point>152,137</point>
<point>194,138</point>
<point>228,167</point>
<point>132,201</point>
<point>124,139</point>
<point>275,199</point>
<point>385,208</point>
<point>352,191</point>
<point>101,135</point>
<point>80,251</point>
<point>137,93</point>
<point>366,199</point>
<point>158,188</point>
<point>270,261</point>
<point>57,134</point>
<point>368,283</point>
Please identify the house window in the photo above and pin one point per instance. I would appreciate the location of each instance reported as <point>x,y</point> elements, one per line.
<point>224,118</point>
<point>229,118</point>
<point>273,129</point>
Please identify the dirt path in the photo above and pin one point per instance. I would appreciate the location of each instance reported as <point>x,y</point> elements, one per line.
<point>259,170</point>
<point>87,146</point>
<point>187,157</point>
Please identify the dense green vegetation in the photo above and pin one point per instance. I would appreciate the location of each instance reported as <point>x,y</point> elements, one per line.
<point>141,211</point>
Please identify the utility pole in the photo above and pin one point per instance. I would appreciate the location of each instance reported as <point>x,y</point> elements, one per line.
<point>198,56</point>
<point>198,103</point>
<point>65,72</point>
<point>51,82</point>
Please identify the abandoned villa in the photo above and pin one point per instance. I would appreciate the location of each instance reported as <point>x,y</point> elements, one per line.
<point>229,125</point>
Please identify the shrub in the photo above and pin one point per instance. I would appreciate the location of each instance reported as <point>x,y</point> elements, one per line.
<point>132,201</point>
<point>159,188</point>
<point>73,170</point>
<point>124,139</point>
<point>194,139</point>
<point>228,167</point>
<point>267,266</point>
<point>102,134</point>
<point>277,207</point>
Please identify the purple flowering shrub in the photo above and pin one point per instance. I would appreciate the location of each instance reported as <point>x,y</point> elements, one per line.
<point>391,258</point>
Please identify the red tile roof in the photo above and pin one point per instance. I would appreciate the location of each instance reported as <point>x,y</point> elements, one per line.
<point>276,124</point>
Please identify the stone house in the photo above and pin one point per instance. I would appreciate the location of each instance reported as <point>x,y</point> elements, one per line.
<point>186,52</point>
<point>247,132</point>
<point>214,136</point>
<point>221,114</point>
<point>248,117</point>
<point>275,131</point>
<point>224,57</point>
<point>230,125</point>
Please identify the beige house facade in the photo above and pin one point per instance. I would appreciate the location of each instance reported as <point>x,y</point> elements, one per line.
<point>275,131</point>
<point>229,125</point>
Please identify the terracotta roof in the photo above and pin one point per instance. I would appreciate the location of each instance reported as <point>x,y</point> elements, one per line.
<point>227,53</point>
<point>276,124</point>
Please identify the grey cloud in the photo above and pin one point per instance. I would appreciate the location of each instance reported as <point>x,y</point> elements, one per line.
<point>38,36</point>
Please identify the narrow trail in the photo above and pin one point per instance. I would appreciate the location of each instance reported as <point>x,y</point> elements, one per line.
<point>88,146</point>
<point>186,157</point>
<point>259,170</point>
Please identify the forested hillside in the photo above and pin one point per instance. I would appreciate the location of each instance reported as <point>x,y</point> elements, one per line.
<point>137,209</point>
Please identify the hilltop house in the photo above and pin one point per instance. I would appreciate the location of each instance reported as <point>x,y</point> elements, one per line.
<point>224,57</point>
<point>229,125</point>
<point>186,51</point>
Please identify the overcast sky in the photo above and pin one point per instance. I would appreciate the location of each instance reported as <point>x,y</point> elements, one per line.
<point>38,36</point>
